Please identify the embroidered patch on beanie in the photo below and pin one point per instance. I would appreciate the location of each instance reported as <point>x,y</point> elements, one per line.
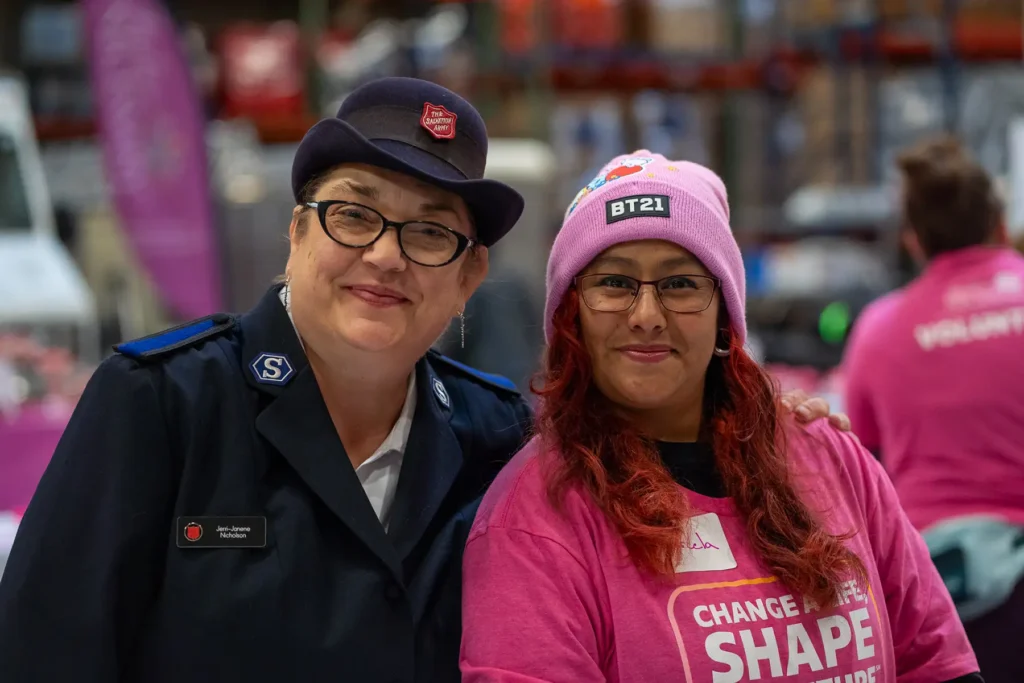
<point>619,167</point>
<point>635,206</point>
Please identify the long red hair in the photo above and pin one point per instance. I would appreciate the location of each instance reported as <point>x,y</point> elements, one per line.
<point>622,471</point>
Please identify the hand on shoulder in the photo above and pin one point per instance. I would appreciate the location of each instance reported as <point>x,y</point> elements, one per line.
<point>807,409</point>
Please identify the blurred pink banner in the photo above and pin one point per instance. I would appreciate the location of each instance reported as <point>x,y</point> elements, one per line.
<point>29,439</point>
<point>152,133</point>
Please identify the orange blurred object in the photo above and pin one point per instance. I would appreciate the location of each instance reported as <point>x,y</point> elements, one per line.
<point>581,24</point>
<point>588,24</point>
<point>518,35</point>
<point>263,70</point>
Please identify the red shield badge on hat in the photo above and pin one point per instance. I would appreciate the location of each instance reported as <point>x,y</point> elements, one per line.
<point>438,121</point>
<point>193,532</point>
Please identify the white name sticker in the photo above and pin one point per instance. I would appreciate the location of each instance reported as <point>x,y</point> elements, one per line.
<point>706,549</point>
<point>635,206</point>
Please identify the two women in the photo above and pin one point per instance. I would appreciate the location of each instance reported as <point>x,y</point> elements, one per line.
<point>668,522</point>
<point>285,495</point>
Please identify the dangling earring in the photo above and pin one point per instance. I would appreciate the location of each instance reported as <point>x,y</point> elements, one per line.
<point>462,328</point>
<point>722,353</point>
<point>287,293</point>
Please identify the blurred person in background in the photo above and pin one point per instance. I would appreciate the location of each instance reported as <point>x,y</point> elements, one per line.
<point>935,386</point>
<point>285,495</point>
<point>669,522</point>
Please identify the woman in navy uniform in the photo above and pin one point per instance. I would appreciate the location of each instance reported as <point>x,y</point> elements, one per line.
<point>225,504</point>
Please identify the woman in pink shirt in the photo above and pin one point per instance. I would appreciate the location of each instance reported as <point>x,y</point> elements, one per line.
<point>935,386</point>
<point>669,522</point>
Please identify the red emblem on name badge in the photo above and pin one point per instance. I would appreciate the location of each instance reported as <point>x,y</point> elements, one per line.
<point>438,121</point>
<point>193,532</point>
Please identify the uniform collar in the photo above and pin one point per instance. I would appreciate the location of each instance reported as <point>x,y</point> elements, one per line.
<point>295,421</point>
<point>271,349</point>
<point>432,462</point>
<point>433,390</point>
<point>286,300</point>
<point>398,438</point>
<point>268,332</point>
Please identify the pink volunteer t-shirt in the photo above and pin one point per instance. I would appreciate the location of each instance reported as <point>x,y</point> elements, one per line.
<point>553,597</point>
<point>934,378</point>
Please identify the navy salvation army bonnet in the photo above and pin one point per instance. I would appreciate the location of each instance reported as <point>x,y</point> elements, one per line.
<point>418,128</point>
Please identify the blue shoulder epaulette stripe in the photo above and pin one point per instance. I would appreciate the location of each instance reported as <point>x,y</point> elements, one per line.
<point>175,337</point>
<point>497,380</point>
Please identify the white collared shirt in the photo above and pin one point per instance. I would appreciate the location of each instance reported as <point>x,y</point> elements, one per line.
<point>379,473</point>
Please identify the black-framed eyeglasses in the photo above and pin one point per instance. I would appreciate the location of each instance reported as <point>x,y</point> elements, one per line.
<point>610,292</point>
<point>357,226</point>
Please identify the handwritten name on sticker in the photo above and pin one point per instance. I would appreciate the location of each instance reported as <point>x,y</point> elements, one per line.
<point>701,544</point>
<point>636,206</point>
<point>705,549</point>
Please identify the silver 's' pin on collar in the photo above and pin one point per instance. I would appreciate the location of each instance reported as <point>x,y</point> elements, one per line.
<point>272,368</point>
<point>442,393</point>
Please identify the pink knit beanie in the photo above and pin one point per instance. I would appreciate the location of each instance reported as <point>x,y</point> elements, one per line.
<point>643,196</point>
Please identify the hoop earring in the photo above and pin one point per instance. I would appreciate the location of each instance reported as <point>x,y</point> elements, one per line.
<point>462,328</point>
<point>722,353</point>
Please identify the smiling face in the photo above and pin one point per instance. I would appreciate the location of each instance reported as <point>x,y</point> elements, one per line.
<point>373,299</point>
<point>646,358</point>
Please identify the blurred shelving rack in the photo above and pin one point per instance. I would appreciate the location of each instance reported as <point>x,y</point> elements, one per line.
<point>879,43</point>
<point>945,41</point>
<point>550,71</point>
<point>773,66</point>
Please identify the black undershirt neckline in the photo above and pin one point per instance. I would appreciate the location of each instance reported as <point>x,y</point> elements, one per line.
<point>692,465</point>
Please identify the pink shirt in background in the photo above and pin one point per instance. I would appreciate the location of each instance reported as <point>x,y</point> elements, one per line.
<point>935,381</point>
<point>552,597</point>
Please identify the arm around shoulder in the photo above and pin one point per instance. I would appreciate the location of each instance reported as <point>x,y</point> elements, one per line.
<point>89,552</point>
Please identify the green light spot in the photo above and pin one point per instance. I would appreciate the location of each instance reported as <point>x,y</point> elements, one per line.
<point>834,322</point>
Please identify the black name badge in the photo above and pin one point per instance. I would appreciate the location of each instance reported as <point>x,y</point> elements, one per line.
<point>221,532</point>
<point>636,206</point>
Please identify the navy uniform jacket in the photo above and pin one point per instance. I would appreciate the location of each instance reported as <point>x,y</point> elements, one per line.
<point>223,418</point>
